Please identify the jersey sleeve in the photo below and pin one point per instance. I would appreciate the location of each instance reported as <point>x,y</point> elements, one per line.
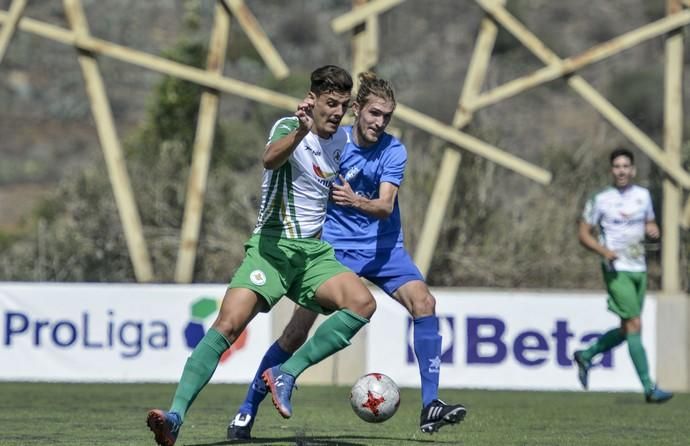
<point>649,211</point>
<point>591,214</point>
<point>394,166</point>
<point>282,127</point>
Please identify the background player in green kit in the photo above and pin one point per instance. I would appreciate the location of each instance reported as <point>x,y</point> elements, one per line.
<point>284,256</point>
<point>623,215</point>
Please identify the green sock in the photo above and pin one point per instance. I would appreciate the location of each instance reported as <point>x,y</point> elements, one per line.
<point>198,370</point>
<point>639,358</point>
<point>331,336</point>
<point>606,342</point>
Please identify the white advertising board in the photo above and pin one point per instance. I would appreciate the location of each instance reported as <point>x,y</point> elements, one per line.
<point>116,332</point>
<point>509,340</point>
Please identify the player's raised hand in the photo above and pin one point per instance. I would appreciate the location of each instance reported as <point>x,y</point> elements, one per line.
<point>304,113</point>
<point>342,194</point>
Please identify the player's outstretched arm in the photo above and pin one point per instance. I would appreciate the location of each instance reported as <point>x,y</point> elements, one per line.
<point>277,152</point>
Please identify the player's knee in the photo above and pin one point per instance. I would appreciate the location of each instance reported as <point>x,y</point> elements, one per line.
<point>363,305</point>
<point>227,328</point>
<point>633,325</point>
<point>423,304</point>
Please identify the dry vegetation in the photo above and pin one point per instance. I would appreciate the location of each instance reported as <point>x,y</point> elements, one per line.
<point>501,230</point>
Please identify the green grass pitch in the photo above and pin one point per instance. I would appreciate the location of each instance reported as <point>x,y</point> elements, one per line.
<point>114,414</point>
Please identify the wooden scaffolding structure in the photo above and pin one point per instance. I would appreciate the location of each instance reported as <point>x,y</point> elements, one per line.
<point>362,23</point>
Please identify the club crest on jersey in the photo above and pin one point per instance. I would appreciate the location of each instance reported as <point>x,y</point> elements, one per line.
<point>336,155</point>
<point>351,173</point>
<point>257,277</point>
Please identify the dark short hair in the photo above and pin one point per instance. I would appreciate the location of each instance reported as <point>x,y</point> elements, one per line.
<point>622,152</point>
<point>330,78</point>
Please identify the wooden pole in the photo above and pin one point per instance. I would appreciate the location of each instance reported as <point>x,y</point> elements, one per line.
<point>117,169</point>
<point>673,141</point>
<point>572,64</point>
<point>270,97</point>
<point>353,18</point>
<point>685,218</point>
<point>258,37</point>
<point>203,145</point>
<point>262,95</point>
<point>584,89</point>
<point>365,51</point>
<point>156,63</point>
<point>10,26</point>
<point>364,44</point>
<point>436,210</point>
<point>450,163</point>
<point>472,144</point>
<point>372,42</point>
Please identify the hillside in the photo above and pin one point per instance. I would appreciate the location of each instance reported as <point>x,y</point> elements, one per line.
<point>495,233</point>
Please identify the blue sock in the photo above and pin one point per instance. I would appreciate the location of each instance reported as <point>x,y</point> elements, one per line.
<point>257,390</point>
<point>427,348</point>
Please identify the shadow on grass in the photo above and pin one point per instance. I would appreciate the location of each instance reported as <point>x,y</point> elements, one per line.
<point>323,440</point>
<point>630,400</point>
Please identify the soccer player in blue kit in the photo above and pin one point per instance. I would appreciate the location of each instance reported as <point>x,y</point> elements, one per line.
<point>364,226</point>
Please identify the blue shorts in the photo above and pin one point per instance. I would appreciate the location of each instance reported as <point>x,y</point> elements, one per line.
<point>389,269</point>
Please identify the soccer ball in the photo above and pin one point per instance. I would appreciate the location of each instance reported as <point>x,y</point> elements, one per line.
<point>375,397</point>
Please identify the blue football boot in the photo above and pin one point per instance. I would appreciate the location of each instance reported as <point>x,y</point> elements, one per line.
<point>280,384</point>
<point>656,395</point>
<point>164,425</point>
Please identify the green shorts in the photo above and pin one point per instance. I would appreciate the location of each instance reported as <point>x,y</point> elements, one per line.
<point>275,267</point>
<point>626,292</point>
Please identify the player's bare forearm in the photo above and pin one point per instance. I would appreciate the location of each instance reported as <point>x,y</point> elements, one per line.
<point>588,241</point>
<point>652,230</point>
<point>381,208</point>
<point>376,208</point>
<point>278,152</point>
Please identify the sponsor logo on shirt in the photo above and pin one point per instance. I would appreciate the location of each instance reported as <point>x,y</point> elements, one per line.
<point>324,178</point>
<point>320,173</point>
<point>314,152</point>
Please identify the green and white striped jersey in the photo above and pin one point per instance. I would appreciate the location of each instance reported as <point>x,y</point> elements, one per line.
<point>294,196</point>
<point>621,215</point>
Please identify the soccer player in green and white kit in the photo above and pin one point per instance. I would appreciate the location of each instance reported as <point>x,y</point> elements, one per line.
<point>364,225</point>
<point>284,256</point>
<point>623,215</point>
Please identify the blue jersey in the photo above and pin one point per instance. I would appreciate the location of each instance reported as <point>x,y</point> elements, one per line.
<point>365,168</point>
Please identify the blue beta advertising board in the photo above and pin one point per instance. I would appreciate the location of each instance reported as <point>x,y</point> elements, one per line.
<point>509,340</point>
